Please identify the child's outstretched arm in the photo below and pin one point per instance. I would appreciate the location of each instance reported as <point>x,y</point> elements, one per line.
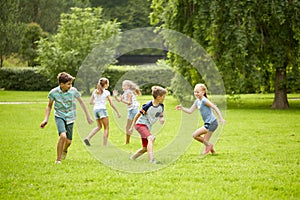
<point>87,114</point>
<point>216,109</point>
<point>113,106</point>
<point>186,110</point>
<point>115,93</point>
<point>134,121</point>
<point>48,111</point>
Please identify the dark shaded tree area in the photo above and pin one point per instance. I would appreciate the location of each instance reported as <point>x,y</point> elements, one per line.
<point>255,44</point>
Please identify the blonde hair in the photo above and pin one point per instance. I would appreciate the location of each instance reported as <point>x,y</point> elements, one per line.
<point>101,83</point>
<point>133,86</point>
<point>202,87</point>
<point>158,91</point>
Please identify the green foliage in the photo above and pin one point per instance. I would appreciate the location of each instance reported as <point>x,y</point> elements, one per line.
<point>10,28</point>
<point>131,13</point>
<point>79,32</point>
<point>25,79</point>
<point>32,33</point>
<point>144,76</point>
<point>33,79</point>
<point>248,40</point>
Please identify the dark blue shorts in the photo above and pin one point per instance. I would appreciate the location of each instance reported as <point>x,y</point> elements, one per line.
<point>211,126</point>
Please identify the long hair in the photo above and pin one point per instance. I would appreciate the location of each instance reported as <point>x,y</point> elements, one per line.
<point>133,86</point>
<point>100,86</point>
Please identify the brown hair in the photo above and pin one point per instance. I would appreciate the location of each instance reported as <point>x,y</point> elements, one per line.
<point>101,83</point>
<point>64,77</point>
<point>133,86</point>
<point>158,91</point>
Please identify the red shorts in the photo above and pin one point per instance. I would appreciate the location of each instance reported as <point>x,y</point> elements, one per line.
<point>144,133</point>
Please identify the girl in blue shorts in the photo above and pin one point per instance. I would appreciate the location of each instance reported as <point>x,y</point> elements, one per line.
<point>98,98</point>
<point>210,121</point>
<point>131,90</point>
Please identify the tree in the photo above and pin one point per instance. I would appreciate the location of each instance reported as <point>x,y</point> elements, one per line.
<point>248,40</point>
<point>47,13</point>
<point>131,13</point>
<point>10,29</point>
<point>79,33</point>
<point>33,32</point>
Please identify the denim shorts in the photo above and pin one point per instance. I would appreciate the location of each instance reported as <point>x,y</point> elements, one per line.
<point>132,113</point>
<point>63,127</point>
<point>100,113</point>
<point>211,126</point>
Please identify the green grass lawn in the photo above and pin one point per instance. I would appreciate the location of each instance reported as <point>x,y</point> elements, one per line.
<point>257,155</point>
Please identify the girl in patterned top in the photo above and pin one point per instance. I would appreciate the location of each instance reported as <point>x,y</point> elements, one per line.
<point>131,90</point>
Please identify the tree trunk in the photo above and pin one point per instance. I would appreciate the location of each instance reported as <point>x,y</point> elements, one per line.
<point>280,99</point>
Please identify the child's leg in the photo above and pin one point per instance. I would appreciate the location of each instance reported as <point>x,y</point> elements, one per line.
<point>128,133</point>
<point>67,145</point>
<point>139,153</point>
<point>60,145</point>
<point>95,130</point>
<point>105,122</point>
<point>150,139</point>
<point>197,135</point>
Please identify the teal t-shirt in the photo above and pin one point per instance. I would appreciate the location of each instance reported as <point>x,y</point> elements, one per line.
<point>64,103</point>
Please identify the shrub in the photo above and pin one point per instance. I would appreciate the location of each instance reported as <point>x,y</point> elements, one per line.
<point>25,79</point>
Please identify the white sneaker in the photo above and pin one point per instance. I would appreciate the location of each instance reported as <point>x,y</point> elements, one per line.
<point>57,162</point>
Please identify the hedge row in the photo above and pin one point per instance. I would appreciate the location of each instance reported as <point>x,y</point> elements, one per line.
<point>31,79</point>
<point>25,79</point>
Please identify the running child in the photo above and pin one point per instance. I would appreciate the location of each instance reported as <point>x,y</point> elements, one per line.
<point>98,98</point>
<point>131,90</point>
<point>206,110</point>
<point>143,121</point>
<point>64,97</point>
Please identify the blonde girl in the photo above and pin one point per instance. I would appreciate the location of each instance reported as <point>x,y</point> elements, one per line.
<point>130,91</point>
<point>98,99</point>
<point>206,108</point>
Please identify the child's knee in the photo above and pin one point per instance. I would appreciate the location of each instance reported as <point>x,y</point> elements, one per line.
<point>151,138</point>
<point>63,136</point>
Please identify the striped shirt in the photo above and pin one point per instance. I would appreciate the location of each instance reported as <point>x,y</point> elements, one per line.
<point>64,103</point>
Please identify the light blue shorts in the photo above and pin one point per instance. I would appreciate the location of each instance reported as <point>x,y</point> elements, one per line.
<point>132,113</point>
<point>63,127</point>
<point>100,113</point>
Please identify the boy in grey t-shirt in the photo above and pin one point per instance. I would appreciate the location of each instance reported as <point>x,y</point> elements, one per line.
<point>143,121</point>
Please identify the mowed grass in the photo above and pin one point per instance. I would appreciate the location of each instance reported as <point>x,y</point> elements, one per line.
<point>257,156</point>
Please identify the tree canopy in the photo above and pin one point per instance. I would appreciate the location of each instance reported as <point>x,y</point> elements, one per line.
<point>250,41</point>
<point>78,33</point>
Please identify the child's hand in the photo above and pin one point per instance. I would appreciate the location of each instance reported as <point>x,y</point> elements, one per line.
<point>223,121</point>
<point>179,107</point>
<point>43,124</point>
<point>115,93</point>
<point>90,121</point>
<point>130,130</point>
<point>161,120</point>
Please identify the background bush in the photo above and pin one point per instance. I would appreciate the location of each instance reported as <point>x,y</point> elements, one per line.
<point>32,79</point>
<point>25,79</point>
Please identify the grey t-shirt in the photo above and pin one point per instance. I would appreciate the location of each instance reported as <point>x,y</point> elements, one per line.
<point>150,114</point>
<point>205,111</point>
